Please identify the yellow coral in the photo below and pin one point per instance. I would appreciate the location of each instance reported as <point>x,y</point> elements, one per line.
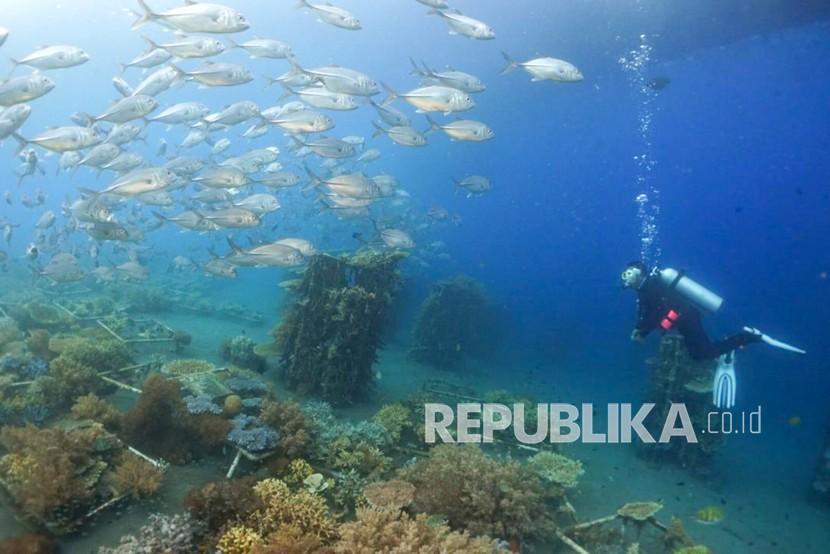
<point>394,418</point>
<point>239,539</point>
<point>301,509</point>
<point>298,471</point>
<point>17,467</point>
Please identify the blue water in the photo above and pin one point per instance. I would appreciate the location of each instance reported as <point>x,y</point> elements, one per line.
<point>739,139</point>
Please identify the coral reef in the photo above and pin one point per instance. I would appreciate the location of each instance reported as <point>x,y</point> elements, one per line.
<point>292,540</point>
<point>201,404</point>
<point>96,409</point>
<point>240,352</point>
<point>232,405</point>
<point>218,503</point>
<point>485,496</point>
<point>52,473</point>
<point>281,506</point>
<point>29,544</point>
<point>390,495</point>
<point>394,418</point>
<point>287,416</point>
<point>252,435</point>
<point>397,533</point>
<point>9,332</point>
<point>158,423</point>
<point>676,378</point>
<point>38,315</point>
<point>209,431</point>
<point>239,539</point>
<point>38,344</point>
<point>186,366</point>
<point>74,372</point>
<point>455,320</point>
<point>136,476</point>
<point>162,534</point>
<point>329,339</point>
<point>556,468</point>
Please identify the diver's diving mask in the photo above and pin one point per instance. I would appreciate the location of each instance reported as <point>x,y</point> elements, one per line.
<point>632,277</point>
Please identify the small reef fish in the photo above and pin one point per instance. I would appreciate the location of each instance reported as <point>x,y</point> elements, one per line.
<point>710,515</point>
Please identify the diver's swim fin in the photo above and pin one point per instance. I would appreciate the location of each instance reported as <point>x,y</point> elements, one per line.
<point>725,385</point>
<point>773,342</point>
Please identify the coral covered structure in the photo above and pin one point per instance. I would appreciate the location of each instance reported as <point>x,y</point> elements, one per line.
<point>455,320</point>
<point>329,340</point>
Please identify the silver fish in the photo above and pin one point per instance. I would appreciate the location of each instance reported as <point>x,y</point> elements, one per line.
<point>545,69</point>
<point>128,109</point>
<point>305,121</point>
<point>46,220</point>
<point>101,155</point>
<point>123,133</point>
<point>53,57</point>
<point>222,177</point>
<point>463,25</point>
<point>333,15</point>
<point>195,17</point>
<point>238,112</point>
<point>403,135</point>
<point>185,166</point>
<point>184,112</point>
<point>219,75</point>
<point>434,98</point>
<point>23,89</point>
<point>158,81</point>
<point>449,78</point>
<point>236,218</point>
<point>265,48</point>
<point>474,184</point>
<point>259,203</point>
<point>191,47</point>
<point>342,79</point>
<point>321,97</point>
<point>140,181</point>
<point>123,88</point>
<point>126,161</point>
<point>149,58</point>
<point>390,115</point>
<point>464,129</point>
<point>63,139</point>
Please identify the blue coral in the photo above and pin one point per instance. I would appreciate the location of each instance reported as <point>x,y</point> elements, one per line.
<point>246,386</point>
<point>250,434</point>
<point>29,369</point>
<point>202,404</point>
<point>252,403</point>
<point>32,413</point>
<point>11,363</point>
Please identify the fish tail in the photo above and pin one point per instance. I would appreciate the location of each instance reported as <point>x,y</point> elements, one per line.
<point>151,44</point>
<point>433,126</point>
<point>378,129</point>
<point>392,95</point>
<point>315,179</point>
<point>90,121</point>
<point>233,44</point>
<point>436,11</point>
<point>511,64</point>
<point>148,15</point>
<point>21,142</point>
<point>234,247</point>
<point>416,70</point>
<point>303,4</point>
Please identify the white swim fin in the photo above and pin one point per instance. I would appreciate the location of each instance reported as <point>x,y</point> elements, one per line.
<point>773,342</point>
<point>725,385</point>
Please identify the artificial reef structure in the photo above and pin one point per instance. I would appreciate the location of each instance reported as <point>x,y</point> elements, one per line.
<point>328,340</point>
<point>455,320</point>
<point>677,378</point>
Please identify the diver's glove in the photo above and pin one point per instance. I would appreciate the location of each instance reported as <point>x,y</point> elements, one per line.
<point>723,390</point>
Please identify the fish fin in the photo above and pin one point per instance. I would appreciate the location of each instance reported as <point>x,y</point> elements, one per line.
<point>378,129</point>
<point>392,95</point>
<point>151,44</point>
<point>415,69</point>
<point>148,15</point>
<point>21,142</point>
<point>433,126</point>
<point>511,64</point>
<point>303,4</point>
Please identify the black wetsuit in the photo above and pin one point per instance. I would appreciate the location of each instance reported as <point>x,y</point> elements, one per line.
<point>656,300</point>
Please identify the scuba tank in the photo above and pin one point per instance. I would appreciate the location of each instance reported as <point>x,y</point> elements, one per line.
<point>691,290</point>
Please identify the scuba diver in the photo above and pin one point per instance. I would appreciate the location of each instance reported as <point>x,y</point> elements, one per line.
<point>669,300</point>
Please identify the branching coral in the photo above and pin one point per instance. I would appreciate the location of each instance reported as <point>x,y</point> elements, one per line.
<point>136,476</point>
<point>209,431</point>
<point>301,509</point>
<point>38,343</point>
<point>478,493</point>
<point>9,332</point>
<point>392,532</point>
<point>287,417</point>
<point>239,539</point>
<point>556,468</point>
<point>96,409</point>
<point>291,540</point>
<point>202,404</point>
